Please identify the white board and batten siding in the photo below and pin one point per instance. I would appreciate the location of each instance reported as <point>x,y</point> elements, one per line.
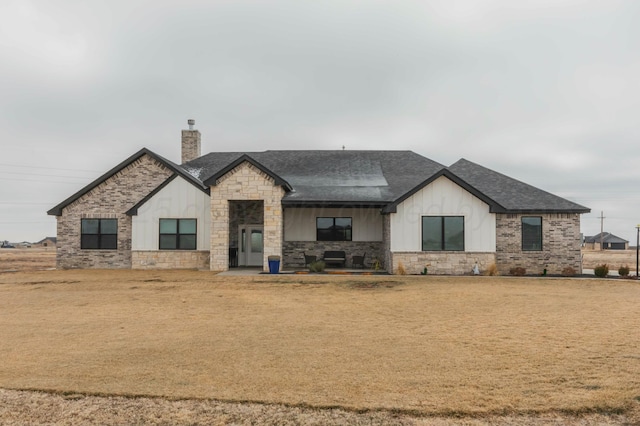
<point>300,223</point>
<point>442,197</point>
<point>178,200</point>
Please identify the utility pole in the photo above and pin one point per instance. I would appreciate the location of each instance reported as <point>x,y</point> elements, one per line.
<point>601,217</point>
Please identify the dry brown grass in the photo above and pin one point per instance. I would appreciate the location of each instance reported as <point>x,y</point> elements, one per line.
<point>27,259</point>
<point>420,345</point>
<point>613,258</point>
<point>552,351</point>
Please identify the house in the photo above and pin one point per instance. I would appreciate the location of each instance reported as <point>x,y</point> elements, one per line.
<point>607,240</point>
<point>394,207</point>
<point>47,242</point>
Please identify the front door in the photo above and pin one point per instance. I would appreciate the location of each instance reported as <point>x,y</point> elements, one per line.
<point>250,245</point>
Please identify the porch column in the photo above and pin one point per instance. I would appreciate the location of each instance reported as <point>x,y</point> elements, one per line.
<point>273,226</point>
<point>219,257</point>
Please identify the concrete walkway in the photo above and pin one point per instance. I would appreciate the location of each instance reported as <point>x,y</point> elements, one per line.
<point>329,271</point>
<point>241,271</point>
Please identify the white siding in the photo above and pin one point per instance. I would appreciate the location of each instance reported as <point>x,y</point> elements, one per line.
<point>300,223</point>
<point>442,197</point>
<point>178,200</point>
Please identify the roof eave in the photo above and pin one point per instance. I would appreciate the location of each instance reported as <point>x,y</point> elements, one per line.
<point>547,211</point>
<point>333,203</point>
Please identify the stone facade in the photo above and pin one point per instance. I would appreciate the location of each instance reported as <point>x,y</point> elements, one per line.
<point>560,243</point>
<point>170,259</point>
<point>441,263</point>
<point>245,182</point>
<point>293,257</point>
<point>109,200</point>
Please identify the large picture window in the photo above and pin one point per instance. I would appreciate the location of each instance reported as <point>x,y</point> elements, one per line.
<point>333,229</point>
<point>442,233</point>
<point>531,233</point>
<point>99,234</point>
<point>178,234</point>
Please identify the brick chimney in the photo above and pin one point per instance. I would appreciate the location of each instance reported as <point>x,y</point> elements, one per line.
<point>190,143</point>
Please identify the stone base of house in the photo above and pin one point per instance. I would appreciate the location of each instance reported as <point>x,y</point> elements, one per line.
<point>170,259</point>
<point>293,251</point>
<point>441,263</point>
<point>70,258</point>
<point>535,263</point>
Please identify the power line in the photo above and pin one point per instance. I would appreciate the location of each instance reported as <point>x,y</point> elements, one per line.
<point>39,174</point>
<point>40,181</point>
<point>23,203</point>
<point>49,168</point>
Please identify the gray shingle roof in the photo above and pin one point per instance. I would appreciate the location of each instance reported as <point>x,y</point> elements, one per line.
<point>383,178</point>
<point>511,194</point>
<point>325,177</point>
<point>606,238</point>
<point>339,178</point>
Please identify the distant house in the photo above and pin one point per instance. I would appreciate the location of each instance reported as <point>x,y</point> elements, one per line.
<point>608,240</point>
<point>47,242</point>
<point>398,209</point>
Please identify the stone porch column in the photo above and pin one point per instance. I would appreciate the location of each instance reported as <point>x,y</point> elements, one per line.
<point>219,260</point>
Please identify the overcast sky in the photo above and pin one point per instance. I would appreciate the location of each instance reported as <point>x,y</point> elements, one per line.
<point>547,91</point>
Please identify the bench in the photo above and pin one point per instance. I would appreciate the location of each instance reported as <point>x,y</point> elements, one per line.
<point>335,256</point>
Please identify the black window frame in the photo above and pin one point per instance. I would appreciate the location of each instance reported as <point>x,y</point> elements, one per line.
<point>527,239</point>
<point>178,240</point>
<point>443,240</point>
<point>99,240</point>
<point>334,233</point>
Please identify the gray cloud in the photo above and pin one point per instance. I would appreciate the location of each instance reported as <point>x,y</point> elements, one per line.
<point>544,91</point>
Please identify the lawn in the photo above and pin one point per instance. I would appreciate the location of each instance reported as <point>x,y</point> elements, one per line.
<point>425,345</point>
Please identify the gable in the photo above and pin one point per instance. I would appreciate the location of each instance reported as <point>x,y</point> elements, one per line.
<point>239,164</point>
<point>146,166</point>
<point>176,199</point>
<point>443,197</point>
<point>494,207</point>
<point>119,189</point>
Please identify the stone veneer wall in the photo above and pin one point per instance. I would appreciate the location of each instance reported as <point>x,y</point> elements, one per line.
<point>443,262</point>
<point>109,200</point>
<point>293,257</point>
<point>170,259</point>
<point>245,182</point>
<point>560,243</point>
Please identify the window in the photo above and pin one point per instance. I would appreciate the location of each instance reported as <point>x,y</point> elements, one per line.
<point>531,233</point>
<point>442,233</point>
<point>333,229</point>
<point>177,234</point>
<point>99,234</point>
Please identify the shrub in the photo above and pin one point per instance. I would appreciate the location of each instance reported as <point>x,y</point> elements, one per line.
<point>492,270</point>
<point>623,271</point>
<point>377,265</point>
<point>518,271</point>
<point>568,271</point>
<point>401,270</point>
<point>316,266</point>
<point>601,270</point>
